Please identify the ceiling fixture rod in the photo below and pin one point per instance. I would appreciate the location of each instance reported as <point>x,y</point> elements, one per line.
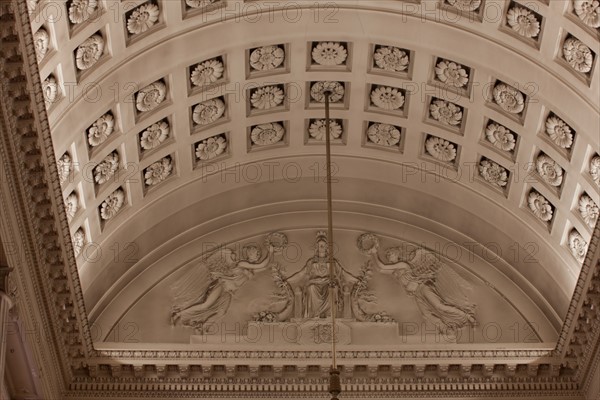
<point>334,375</point>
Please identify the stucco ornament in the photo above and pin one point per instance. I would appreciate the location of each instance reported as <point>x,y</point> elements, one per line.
<point>465,5</point>
<point>200,3</point>
<point>41,39</point>
<point>451,73</point>
<point>78,241</point>
<point>317,129</point>
<point>101,129</point>
<point>207,72</point>
<point>391,59</point>
<point>508,98</point>
<point>267,58</point>
<point>64,165</point>
<point>493,173</point>
<point>158,171</point>
<point>500,136</point>
<point>367,243</point>
<point>578,55</point>
<point>143,18</point>
<point>106,169</point>
<point>266,97</point>
<point>318,88</point>
<point>81,10</point>
<point>154,135</point>
<point>549,170</point>
<point>540,206</point>
<point>208,111</point>
<point>577,245</point>
<point>266,134</point>
<point>559,132</point>
<point>588,11</point>
<point>32,5</point>
<point>523,21</point>
<point>329,53</point>
<point>211,147</point>
<point>89,52</point>
<point>445,112</point>
<point>71,205</point>
<point>589,210</point>
<point>50,90</point>
<point>387,98</point>
<point>112,204</point>
<point>384,134</point>
<point>151,96</point>
<point>440,149</point>
<point>595,169</point>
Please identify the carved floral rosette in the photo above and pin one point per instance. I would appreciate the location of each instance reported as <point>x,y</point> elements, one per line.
<point>151,96</point>
<point>207,72</point>
<point>71,205</point>
<point>387,98</point>
<point>577,245</point>
<point>81,10</point>
<point>267,134</point>
<point>64,165</point>
<point>440,149</point>
<point>89,52</point>
<point>451,74</point>
<point>154,135</point>
<point>465,5</point>
<point>208,111</point>
<point>493,173</point>
<point>588,210</point>
<point>508,98</point>
<point>78,240</point>
<point>211,148</point>
<point>500,136</point>
<point>588,12</point>
<point>391,59</point>
<point>595,169</point>
<point>318,88</point>
<point>559,132</point>
<point>266,97</point>
<point>158,171</point>
<point>267,58</point>
<point>549,170</point>
<point>142,18</point>
<point>41,39</point>
<point>112,204</point>
<point>317,129</point>
<point>445,112</point>
<point>540,206</point>
<point>383,134</point>
<point>578,55</point>
<point>329,53</point>
<point>106,169</point>
<point>101,129</point>
<point>523,21</point>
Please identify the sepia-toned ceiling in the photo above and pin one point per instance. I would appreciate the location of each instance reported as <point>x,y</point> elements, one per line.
<point>467,122</point>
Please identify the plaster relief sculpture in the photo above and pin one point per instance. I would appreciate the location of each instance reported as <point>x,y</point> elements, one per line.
<point>465,5</point>
<point>329,53</point>
<point>158,171</point>
<point>493,173</point>
<point>151,96</point>
<point>440,293</point>
<point>266,97</point>
<point>208,111</point>
<point>143,18</point>
<point>112,204</point>
<point>32,5</point>
<point>540,206</point>
<point>211,147</point>
<point>89,52</point>
<point>106,169</point>
<point>81,10</point>
<point>588,11</point>
<point>391,59</point>
<point>445,112</point>
<point>589,210</point>
<point>595,169</point>
<point>41,39</point>
<point>523,21</point>
<point>508,98</point>
<point>200,3</point>
<point>578,55</point>
<point>384,134</point>
<point>440,149</point>
<point>500,136</point>
<point>205,293</point>
<point>577,245</point>
<point>318,88</point>
<point>549,170</point>
<point>559,132</point>
<point>317,129</point>
<point>267,134</point>
<point>78,241</point>
<point>451,74</point>
<point>207,72</point>
<point>154,135</point>
<point>50,90</point>
<point>64,165</point>
<point>387,98</point>
<point>101,129</point>
<point>71,205</point>
<point>267,58</point>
